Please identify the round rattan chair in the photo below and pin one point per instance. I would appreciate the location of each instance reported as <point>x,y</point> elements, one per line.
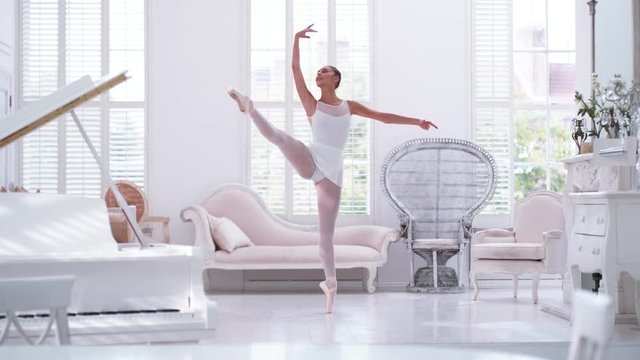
<point>133,195</point>
<point>437,186</point>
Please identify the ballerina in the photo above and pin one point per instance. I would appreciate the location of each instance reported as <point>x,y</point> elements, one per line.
<point>322,159</point>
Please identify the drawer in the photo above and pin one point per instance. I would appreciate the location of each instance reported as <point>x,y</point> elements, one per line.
<point>588,252</point>
<point>590,219</point>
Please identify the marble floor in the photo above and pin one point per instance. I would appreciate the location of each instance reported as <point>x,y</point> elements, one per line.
<point>496,321</point>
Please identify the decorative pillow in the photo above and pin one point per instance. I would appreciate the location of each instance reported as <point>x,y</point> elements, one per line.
<point>2,189</point>
<point>226,234</point>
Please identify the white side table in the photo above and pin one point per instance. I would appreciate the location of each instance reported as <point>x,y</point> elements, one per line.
<point>603,237</point>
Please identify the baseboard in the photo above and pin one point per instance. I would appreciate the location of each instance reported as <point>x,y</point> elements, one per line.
<point>297,285</point>
<point>392,286</point>
<point>356,285</point>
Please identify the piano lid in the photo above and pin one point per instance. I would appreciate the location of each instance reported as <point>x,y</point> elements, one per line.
<point>59,102</point>
<point>39,225</point>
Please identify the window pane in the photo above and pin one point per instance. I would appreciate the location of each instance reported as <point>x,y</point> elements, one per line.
<point>39,48</point>
<point>493,133</point>
<point>40,159</point>
<point>355,191</point>
<point>492,51</point>
<point>304,193</point>
<point>530,79</point>
<point>268,50</point>
<point>134,88</point>
<point>127,145</point>
<point>127,48</point>
<point>531,135</point>
<point>562,21</point>
<point>82,173</point>
<point>355,81</point>
<point>352,48</point>
<point>529,17</point>
<point>562,77</point>
<point>57,151</point>
<point>83,39</point>
<point>267,75</point>
<point>269,72</point>
<point>313,51</point>
<point>558,177</point>
<point>268,23</point>
<point>529,178</point>
<point>39,60</point>
<point>268,164</point>
<point>561,144</point>
<point>538,61</point>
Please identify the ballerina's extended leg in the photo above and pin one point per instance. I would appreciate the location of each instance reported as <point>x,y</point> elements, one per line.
<point>244,102</point>
<point>294,150</point>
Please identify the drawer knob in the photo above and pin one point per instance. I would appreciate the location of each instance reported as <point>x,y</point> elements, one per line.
<point>580,248</point>
<point>583,218</point>
<point>596,251</point>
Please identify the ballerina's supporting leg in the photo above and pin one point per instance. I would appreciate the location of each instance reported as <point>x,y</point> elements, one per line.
<point>328,205</point>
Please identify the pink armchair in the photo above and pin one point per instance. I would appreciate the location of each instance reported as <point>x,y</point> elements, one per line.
<point>536,245</point>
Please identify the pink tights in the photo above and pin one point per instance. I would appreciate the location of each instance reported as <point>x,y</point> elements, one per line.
<point>328,193</point>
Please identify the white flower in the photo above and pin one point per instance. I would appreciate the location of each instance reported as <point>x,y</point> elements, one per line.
<point>617,84</point>
<point>595,85</point>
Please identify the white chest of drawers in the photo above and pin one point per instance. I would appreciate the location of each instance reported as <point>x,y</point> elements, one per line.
<point>604,230</point>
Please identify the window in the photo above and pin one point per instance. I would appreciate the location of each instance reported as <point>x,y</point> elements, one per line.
<point>342,39</point>
<point>523,83</point>
<point>61,41</point>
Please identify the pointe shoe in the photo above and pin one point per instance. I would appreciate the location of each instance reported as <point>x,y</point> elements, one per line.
<point>244,102</point>
<point>329,293</point>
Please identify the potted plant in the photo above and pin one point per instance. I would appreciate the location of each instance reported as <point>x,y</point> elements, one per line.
<point>613,109</point>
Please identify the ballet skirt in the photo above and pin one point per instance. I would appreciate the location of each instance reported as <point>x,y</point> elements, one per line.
<point>330,131</point>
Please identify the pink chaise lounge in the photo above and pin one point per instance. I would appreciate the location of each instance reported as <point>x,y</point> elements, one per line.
<point>279,244</point>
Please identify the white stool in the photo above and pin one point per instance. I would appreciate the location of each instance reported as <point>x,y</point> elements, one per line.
<point>593,318</point>
<point>37,293</point>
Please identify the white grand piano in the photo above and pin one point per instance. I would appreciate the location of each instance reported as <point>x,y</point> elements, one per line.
<point>50,234</point>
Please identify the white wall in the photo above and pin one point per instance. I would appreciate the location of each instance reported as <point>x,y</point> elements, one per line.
<point>197,136</point>
<point>614,40</point>
<point>614,55</point>
<point>7,34</point>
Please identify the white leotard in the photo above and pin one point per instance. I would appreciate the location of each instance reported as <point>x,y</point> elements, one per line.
<point>330,131</point>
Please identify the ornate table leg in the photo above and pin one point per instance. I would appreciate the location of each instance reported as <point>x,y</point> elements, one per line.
<point>576,277</point>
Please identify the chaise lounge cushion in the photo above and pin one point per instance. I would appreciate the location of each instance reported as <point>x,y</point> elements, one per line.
<point>295,255</point>
<point>227,235</point>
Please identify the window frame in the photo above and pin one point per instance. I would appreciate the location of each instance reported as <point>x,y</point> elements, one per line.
<point>512,106</point>
<point>290,104</point>
<point>102,103</point>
